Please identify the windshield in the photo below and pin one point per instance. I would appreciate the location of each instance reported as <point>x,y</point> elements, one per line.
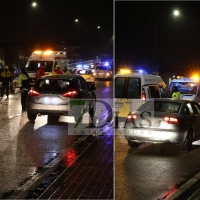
<point>53,84</point>
<point>34,65</point>
<point>185,87</point>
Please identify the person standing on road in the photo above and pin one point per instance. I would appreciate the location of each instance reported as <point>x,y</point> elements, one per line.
<point>24,85</point>
<point>57,70</point>
<point>6,78</point>
<point>66,71</point>
<point>176,94</point>
<point>40,72</point>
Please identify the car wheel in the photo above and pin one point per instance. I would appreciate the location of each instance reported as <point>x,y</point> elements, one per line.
<point>188,142</point>
<point>133,144</point>
<point>31,117</point>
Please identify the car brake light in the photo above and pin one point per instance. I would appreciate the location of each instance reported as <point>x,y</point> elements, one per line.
<point>131,117</point>
<point>33,93</point>
<point>171,120</point>
<point>71,94</point>
<point>143,95</point>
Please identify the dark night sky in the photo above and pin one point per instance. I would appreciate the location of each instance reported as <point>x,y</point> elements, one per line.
<point>53,21</point>
<point>177,43</point>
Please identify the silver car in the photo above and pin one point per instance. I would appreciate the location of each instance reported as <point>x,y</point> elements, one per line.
<point>164,121</point>
<point>60,95</point>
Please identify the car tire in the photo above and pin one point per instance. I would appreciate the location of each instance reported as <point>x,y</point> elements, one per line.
<point>188,142</point>
<point>133,144</point>
<point>31,117</point>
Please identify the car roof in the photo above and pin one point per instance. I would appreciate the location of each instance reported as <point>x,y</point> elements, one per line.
<point>170,99</point>
<point>61,76</point>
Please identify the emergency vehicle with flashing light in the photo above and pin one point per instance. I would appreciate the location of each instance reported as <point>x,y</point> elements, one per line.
<point>132,89</point>
<point>46,58</point>
<point>189,87</point>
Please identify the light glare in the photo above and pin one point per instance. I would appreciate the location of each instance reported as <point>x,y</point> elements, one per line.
<point>176,12</point>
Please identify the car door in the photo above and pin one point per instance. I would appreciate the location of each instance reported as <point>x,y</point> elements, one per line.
<point>196,108</point>
<point>194,117</point>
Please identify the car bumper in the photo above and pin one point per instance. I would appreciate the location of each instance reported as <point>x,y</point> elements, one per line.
<point>155,136</point>
<point>48,109</point>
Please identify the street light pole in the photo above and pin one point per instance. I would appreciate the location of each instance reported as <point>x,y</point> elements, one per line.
<point>176,14</point>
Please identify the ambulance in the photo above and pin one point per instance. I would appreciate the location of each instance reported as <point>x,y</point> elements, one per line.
<point>46,58</point>
<point>188,87</point>
<point>132,89</point>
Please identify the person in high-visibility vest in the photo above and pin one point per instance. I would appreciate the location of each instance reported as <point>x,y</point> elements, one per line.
<point>65,71</point>
<point>176,94</point>
<point>6,78</point>
<point>24,86</point>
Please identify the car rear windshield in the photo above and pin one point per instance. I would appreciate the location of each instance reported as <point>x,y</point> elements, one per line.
<point>161,106</point>
<point>128,87</point>
<point>102,68</point>
<point>85,72</point>
<point>53,84</point>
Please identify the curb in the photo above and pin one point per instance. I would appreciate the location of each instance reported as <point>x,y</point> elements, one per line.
<point>184,188</point>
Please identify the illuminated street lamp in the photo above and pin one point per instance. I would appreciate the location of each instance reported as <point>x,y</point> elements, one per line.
<point>98,27</point>
<point>176,13</point>
<point>76,20</point>
<point>34,4</point>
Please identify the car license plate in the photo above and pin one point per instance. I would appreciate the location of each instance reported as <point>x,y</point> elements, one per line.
<point>52,100</point>
<point>144,132</point>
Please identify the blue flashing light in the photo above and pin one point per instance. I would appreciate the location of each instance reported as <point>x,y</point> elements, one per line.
<point>106,63</point>
<point>141,71</point>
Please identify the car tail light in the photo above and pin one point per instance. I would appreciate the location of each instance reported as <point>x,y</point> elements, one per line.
<point>33,93</point>
<point>131,117</point>
<point>171,120</point>
<point>71,94</point>
<point>143,95</point>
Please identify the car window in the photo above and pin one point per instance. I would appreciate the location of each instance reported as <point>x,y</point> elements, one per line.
<point>134,88</point>
<point>197,107</point>
<point>154,91</point>
<point>53,84</point>
<point>190,109</point>
<point>161,106</point>
<point>119,87</point>
<point>82,84</point>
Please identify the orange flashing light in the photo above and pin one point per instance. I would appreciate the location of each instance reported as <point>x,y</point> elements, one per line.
<point>37,52</point>
<point>195,77</point>
<point>125,71</point>
<point>48,52</point>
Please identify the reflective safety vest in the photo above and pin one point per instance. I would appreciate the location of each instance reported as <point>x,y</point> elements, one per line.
<point>6,76</point>
<point>176,95</point>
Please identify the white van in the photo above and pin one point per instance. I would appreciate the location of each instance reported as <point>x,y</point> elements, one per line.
<point>49,59</point>
<point>132,89</point>
<point>188,87</point>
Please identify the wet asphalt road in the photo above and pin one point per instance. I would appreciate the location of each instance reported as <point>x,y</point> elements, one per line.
<point>26,147</point>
